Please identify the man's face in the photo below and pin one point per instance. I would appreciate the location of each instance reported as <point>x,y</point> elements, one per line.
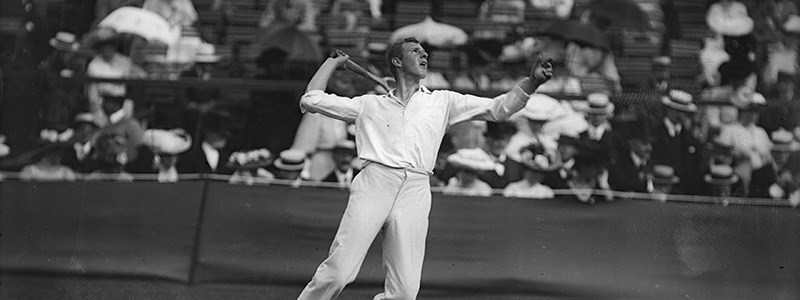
<point>535,126</point>
<point>497,145</point>
<point>343,160</point>
<point>596,119</point>
<point>414,60</point>
<point>107,52</point>
<point>567,151</point>
<point>641,148</point>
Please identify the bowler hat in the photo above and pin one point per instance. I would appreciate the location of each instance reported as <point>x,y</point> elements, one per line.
<point>679,100</point>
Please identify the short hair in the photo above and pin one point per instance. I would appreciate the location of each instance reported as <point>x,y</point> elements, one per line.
<point>396,50</point>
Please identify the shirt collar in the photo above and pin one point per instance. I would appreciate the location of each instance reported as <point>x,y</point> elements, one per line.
<point>422,88</point>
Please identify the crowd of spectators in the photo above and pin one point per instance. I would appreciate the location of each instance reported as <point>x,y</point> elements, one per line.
<point>584,148</point>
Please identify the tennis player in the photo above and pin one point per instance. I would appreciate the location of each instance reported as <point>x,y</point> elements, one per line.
<point>397,137</point>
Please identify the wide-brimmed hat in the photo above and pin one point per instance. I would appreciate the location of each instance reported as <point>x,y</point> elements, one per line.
<point>679,100</point>
<point>65,41</point>
<point>664,175</point>
<point>173,142</point>
<point>250,159</point>
<point>536,158</point>
<point>471,159</point>
<point>783,141</point>
<point>599,104</point>
<point>346,146</point>
<point>721,175</point>
<point>720,146</point>
<point>290,160</point>
<point>542,108</point>
<point>206,53</point>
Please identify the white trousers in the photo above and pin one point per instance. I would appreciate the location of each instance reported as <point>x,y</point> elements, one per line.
<point>396,201</point>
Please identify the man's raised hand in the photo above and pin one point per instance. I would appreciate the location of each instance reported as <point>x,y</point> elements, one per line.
<point>542,70</point>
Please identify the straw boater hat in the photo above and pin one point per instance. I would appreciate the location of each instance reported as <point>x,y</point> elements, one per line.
<point>290,160</point>
<point>721,175</point>
<point>64,41</point>
<point>171,142</point>
<point>471,159</point>
<point>535,158</point>
<point>664,175</point>
<point>783,141</point>
<point>599,104</point>
<point>206,54</point>
<point>679,100</point>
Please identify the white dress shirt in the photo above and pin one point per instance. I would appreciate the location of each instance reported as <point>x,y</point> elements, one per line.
<point>212,155</point>
<point>408,136</point>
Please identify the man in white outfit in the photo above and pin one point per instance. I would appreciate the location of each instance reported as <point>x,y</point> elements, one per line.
<point>397,137</point>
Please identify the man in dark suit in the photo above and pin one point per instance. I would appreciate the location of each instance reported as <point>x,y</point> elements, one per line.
<point>209,154</point>
<point>343,154</point>
<point>633,162</point>
<point>674,142</point>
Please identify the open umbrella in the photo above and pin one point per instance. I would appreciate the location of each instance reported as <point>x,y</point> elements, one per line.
<point>621,12</point>
<point>299,46</point>
<point>433,33</point>
<point>581,33</point>
<point>144,23</point>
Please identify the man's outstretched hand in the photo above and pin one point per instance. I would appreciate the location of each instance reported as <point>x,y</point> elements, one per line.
<point>542,70</point>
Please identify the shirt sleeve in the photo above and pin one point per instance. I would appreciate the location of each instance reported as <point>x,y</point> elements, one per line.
<point>337,107</point>
<point>470,107</point>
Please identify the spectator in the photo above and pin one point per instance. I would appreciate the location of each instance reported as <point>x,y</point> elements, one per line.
<point>780,39</point>
<point>740,69</point>
<point>49,167</point>
<point>210,150</point>
<point>61,94</point>
<point>633,164</point>
<point>109,64</point>
<point>201,99</point>
<point>538,162</point>
<point>567,149</point>
<point>496,140</point>
<point>110,156</point>
<point>721,178</point>
<point>711,57</point>
<point>344,154</point>
<point>289,165</point>
<point>591,64</point>
<point>660,74</point>
<point>662,180</point>
<point>674,143</point>
<point>597,115</point>
<point>719,153</point>
<point>76,155</point>
<point>750,142</point>
<point>122,124</point>
<point>468,163</point>
<point>790,180</point>
<point>537,112</point>
<point>770,180</point>
<point>586,182</point>
<point>166,145</point>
